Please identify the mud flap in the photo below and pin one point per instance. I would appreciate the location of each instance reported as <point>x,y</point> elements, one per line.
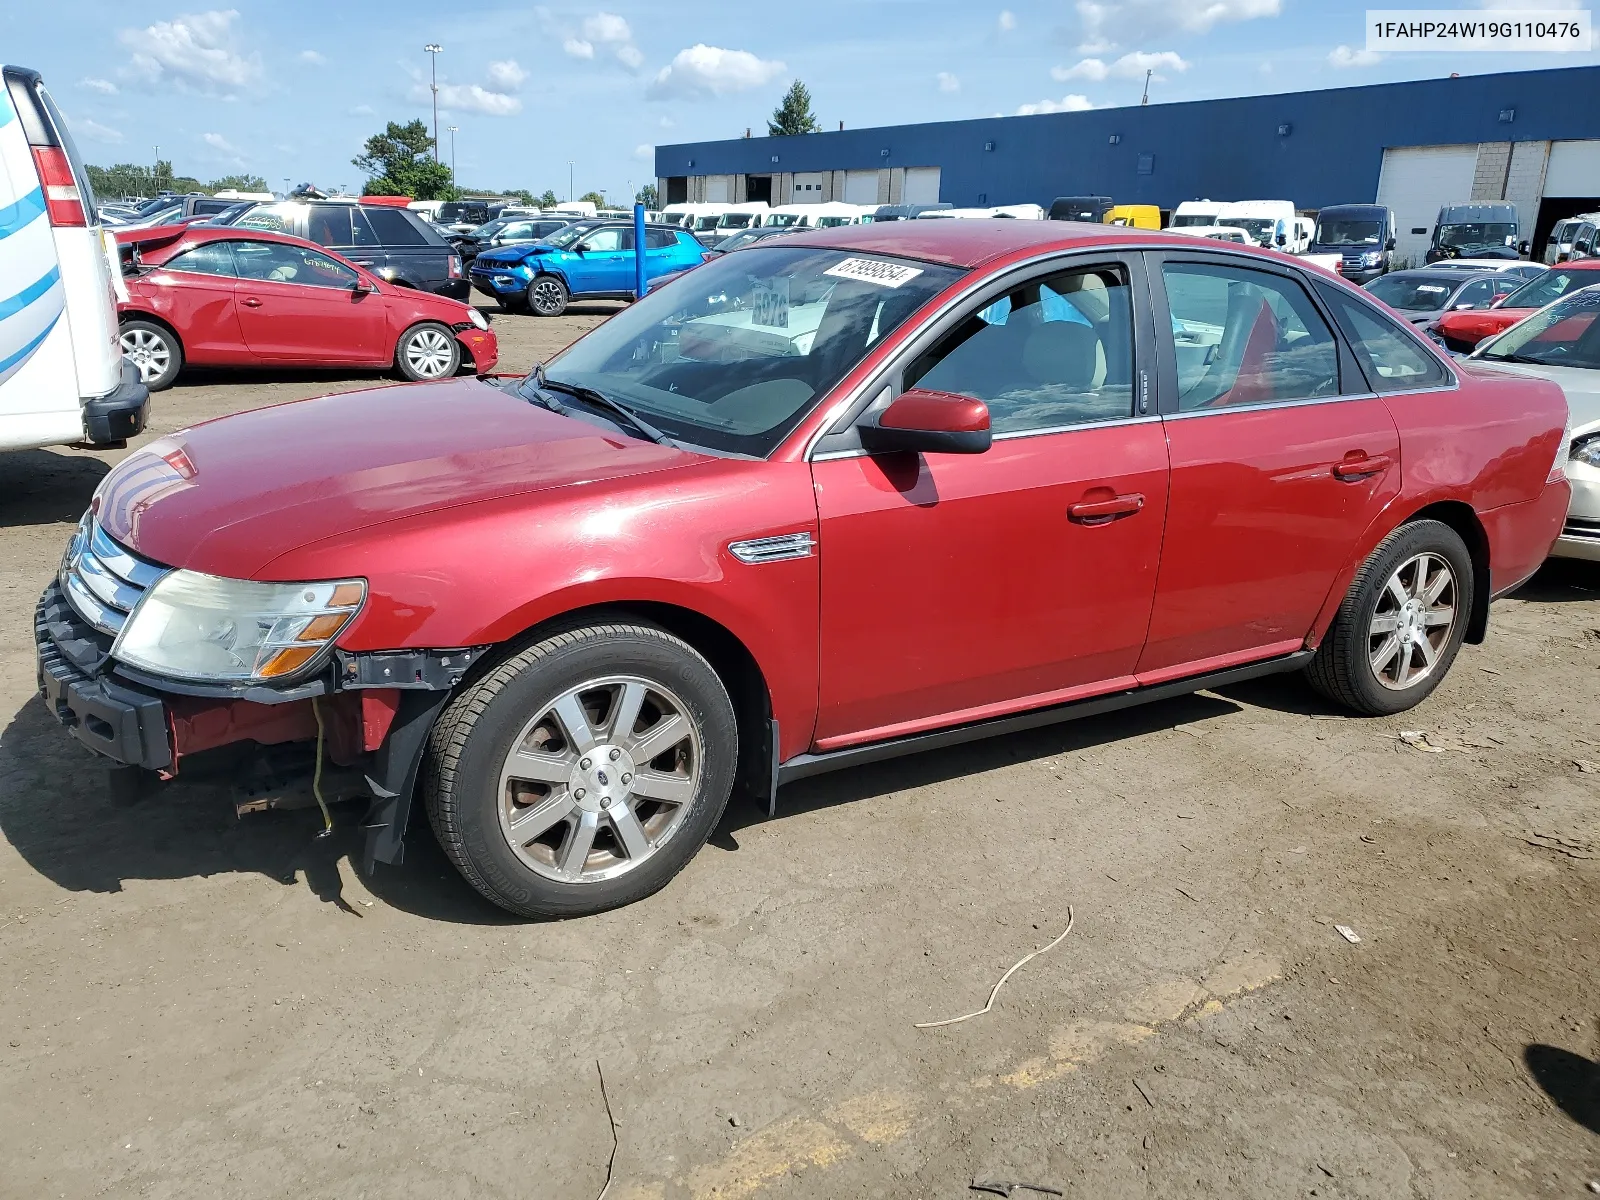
<point>393,777</point>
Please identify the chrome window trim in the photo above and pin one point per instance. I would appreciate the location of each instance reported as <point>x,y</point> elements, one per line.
<point>1269,405</point>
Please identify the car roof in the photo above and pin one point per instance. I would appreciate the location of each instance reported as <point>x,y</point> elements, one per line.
<point>972,243</point>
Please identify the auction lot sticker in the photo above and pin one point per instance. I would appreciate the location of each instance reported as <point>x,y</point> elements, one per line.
<point>870,270</point>
<point>1411,29</point>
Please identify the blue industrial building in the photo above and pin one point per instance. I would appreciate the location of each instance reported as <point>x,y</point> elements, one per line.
<point>1496,136</point>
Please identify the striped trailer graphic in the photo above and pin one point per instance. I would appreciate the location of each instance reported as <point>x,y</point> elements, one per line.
<point>27,255</point>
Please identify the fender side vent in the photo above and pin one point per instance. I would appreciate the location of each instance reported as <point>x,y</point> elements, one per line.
<point>773,549</point>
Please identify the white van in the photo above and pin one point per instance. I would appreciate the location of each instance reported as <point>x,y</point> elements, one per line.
<point>741,216</point>
<point>814,216</point>
<point>1195,212</point>
<point>1269,223</point>
<point>63,380</point>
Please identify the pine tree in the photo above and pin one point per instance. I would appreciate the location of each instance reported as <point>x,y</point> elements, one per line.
<point>794,115</point>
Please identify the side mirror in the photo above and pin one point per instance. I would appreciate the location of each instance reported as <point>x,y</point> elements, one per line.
<point>361,287</point>
<point>1522,248</point>
<point>935,422</point>
<point>1282,240</point>
<point>1389,245</point>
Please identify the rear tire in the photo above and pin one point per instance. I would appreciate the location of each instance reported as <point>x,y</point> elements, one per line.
<point>585,772</point>
<point>547,296</point>
<point>1401,624</point>
<point>154,350</point>
<point>427,351</point>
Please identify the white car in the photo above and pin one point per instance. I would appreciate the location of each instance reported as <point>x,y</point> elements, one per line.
<point>1561,343</point>
<point>1217,233</point>
<point>1506,266</point>
<point>63,379</point>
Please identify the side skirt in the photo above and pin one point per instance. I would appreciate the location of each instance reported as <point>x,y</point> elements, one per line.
<point>805,765</point>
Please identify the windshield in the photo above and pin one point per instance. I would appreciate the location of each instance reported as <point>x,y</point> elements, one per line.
<point>736,352</point>
<point>489,228</point>
<point>782,219</point>
<point>1185,220</point>
<point>1347,231</point>
<point>1552,285</point>
<point>1476,235</point>
<point>832,222</point>
<point>702,223</point>
<point>1257,227</point>
<point>1567,334</point>
<point>735,220</point>
<point>1413,293</point>
<point>567,234</point>
<point>455,211</point>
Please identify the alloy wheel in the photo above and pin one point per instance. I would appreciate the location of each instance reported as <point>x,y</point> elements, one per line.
<point>429,353</point>
<point>600,779</point>
<point>1412,622</point>
<point>149,353</point>
<point>546,297</point>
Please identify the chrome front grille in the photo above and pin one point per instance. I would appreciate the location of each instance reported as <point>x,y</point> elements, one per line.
<point>102,580</point>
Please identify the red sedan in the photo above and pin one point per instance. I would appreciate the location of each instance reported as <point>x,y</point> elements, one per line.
<point>831,499</point>
<point>229,297</point>
<point>1462,331</point>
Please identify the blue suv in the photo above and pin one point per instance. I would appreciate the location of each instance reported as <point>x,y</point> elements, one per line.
<point>585,261</point>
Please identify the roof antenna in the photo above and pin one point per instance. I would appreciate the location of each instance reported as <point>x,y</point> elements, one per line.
<point>1145,99</point>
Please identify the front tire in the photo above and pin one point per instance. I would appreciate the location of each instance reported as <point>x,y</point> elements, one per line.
<point>427,351</point>
<point>155,352</point>
<point>1401,624</point>
<point>585,772</point>
<point>547,296</point>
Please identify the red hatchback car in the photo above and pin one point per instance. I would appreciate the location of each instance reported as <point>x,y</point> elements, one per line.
<point>229,297</point>
<point>847,495</point>
<point>1462,331</point>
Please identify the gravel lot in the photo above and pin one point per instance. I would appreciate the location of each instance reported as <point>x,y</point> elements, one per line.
<point>197,1006</point>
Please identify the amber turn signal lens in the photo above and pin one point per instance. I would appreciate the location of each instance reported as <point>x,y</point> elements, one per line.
<point>347,595</point>
<point>285,662</point>
<point>324,627</point>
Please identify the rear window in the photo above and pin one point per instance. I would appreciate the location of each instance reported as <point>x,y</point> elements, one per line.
<point>394,228</point>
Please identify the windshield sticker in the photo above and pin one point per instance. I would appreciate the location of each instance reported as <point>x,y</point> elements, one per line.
<point>870,270</point>
<point>769,302</point>
<point>1432,289</point>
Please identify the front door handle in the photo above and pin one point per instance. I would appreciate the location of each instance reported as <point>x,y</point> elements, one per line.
<point>1360,468</point>
<point>1100,512</point>
<point>251,302</point>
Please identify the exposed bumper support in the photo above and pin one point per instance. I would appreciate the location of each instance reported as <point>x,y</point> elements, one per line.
<point>110,420</point>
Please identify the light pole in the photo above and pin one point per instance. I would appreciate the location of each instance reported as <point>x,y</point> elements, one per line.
<point>433,51</point>
<point>570,196</point>
<point>453,130</point>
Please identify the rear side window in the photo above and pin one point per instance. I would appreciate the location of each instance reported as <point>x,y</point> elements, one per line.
<point>361,229</point>
<point>1393,359</point>
<point>659,239</point>
<point>394,228</point>
<point>213,258</point>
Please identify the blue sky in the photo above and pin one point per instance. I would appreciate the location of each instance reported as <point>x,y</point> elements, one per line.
<point>293,88</point>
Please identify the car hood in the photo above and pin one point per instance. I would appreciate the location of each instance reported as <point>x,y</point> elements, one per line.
<point>229,496</point>
<point>516,253</point>
<point>1580,385</point>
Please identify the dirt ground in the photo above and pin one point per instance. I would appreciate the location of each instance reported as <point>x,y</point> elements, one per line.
<point>193,1005</point>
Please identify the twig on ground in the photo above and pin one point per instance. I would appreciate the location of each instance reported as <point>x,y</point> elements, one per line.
<point>612,1161</point>
<point>1144,1093</point>
<point>1020,962</point>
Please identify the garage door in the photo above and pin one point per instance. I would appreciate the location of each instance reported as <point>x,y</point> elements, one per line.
<point>1416,182</point>
<point>808,187</point>
<point>922,185</point>
<point>716,189</point>
<point>1574,169</point>
<point>861,187</point>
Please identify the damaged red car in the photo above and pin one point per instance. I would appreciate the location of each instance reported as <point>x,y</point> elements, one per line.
<point>849,495</point>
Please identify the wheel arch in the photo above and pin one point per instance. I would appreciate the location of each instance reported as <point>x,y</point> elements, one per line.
<point>1460,516</point>
<point>141,314</point>
<point>407,329</point>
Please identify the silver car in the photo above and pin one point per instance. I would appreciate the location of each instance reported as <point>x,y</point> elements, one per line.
<point>1561,343</point>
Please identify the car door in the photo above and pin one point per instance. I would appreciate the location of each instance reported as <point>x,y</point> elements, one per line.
<point>957,586</point>
<point>300,306</point>
<point>605,264</point>
<point>196,291</point>
<point>1281,457</point>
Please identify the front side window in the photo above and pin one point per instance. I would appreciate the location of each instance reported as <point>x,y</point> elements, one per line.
<point>1393,359</point>
<point>1583,241</point>
<point>1053,352</point>
<point>1477,294</point>
<point>213,258</point>
<point>276,262</point>
<point>1246,337</point>
<point>1567,334</point>
<point>608,240</point>
<point>738,351</point>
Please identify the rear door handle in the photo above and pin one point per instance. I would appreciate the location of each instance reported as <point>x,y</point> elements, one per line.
<point>1099,512</point>
<point>1358,468</point>
<point>251,302</point>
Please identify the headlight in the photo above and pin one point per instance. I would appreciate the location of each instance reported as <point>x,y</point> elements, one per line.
<point>200,627</point>
<point>1587,450</point>
<point>1372,258</point>
<point>476,317</point>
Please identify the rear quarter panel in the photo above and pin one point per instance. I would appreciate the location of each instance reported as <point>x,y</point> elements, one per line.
<point>485,573</point>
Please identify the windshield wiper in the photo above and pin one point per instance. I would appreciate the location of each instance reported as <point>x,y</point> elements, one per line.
<point>600,400</point>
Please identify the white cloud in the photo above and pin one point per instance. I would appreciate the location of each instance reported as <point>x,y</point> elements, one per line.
<point>195,51</point>
<point>1344,56</point>
<point>702,71</point>
<point>948,82</point>
<point>217,142</point>
<point>602,32</point>
<point>607,29</point>
<point>470,97</point>
<point>644,151</point>
<point>668,123</point>
<point>1097,45</point>
<point>1072,103</point>
<point>507,75</point>
<point>104,86</point>
<point>312,57</point>
<point>578,48</point>
<point>94,131</point>
<point>1105,19</point>
<point>631,57</point>
<point>1008,20</point>
<point>363,110</point>
<point>1129,66</point>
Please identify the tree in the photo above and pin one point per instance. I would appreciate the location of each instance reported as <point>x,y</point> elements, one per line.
<point>794,115</point>
<point>399,162</point>
<point>647,197</point>
<point>594,198</point>
<point>549,199</point>
<point>239,183</point>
